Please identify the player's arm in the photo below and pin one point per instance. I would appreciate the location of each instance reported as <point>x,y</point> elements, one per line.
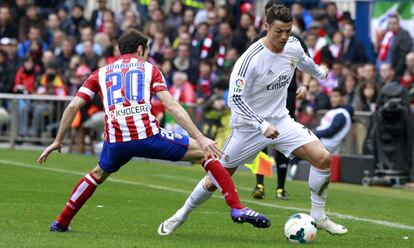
<point>65,123</point>
<point>183,119</point>
<point>306,64</point>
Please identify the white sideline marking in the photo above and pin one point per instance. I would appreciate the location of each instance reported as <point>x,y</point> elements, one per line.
<point>338,215</point>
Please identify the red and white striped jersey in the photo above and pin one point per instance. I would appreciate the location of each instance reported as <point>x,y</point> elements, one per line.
<point>126,87</point>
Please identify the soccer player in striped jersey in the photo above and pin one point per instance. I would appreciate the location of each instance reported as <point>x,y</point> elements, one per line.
<point>257,98</point>
<point>131,130</point>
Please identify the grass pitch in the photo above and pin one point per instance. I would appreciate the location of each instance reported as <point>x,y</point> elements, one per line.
<point>126,210</point>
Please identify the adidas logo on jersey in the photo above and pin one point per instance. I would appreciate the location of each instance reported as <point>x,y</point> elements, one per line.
<point>269,72</point>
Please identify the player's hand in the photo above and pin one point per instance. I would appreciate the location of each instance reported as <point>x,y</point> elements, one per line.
<point>54,146</point>
<point>325,69</point>
<point>271,132</point>
<point>209,147</point>
<point>301,92</point>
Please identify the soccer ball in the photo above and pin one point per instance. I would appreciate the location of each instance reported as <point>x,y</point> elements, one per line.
<point>300,228</point>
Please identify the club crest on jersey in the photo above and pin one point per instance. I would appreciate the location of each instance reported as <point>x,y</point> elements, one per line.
<point>239,83</point>
<point>292,63</point>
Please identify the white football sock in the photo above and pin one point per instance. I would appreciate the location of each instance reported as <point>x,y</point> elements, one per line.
<point>199,195</point>
<point>318,184</point>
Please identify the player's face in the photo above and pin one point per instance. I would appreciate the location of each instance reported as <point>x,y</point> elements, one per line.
<point>278,34</point>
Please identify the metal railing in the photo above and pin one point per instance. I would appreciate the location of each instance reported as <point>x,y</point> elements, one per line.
<point>45,112</point>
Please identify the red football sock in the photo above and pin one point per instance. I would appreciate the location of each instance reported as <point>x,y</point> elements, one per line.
<point>80,194</point>
<point>222,180</point>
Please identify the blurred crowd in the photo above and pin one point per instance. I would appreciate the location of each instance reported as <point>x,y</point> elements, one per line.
<point>50,47</point>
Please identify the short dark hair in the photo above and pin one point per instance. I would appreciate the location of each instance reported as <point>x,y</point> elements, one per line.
<point>131,40</point>
<point>279,12</point>
<point>340,90</point>
<point>272,3</point>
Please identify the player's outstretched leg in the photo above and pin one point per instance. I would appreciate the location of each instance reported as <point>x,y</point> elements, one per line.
<point>218,177</point>
<point>80,194</point>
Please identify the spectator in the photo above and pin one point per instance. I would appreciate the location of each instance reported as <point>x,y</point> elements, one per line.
<point>205,81</point>
<point>336,123</point>
<point>184,63</point>
<point>386,74</point>
<point>213,23</point>
<point>240,40</point>
<point>53,25</point>
<point>69,76</point>
<point>109,27</point>
<point>10,47</point>
<point>30,19</point>
<point>97,19</point>
<point>77,20</point>
<point>50,83</point>
<point>300,13</point>
<point>86,34</point>
<point>225,16</point>
<point>353,50</point>
<point>131,20</point>
<point>225,41</point>
<point>183,92</point>
<point>368,95</point>
<point>350,87</point>
<point>315,100</point>
<point>89,56</point>
<point>251,33</point>
<point>201,16</point>
<point>203,43</point>
<point>25,83</point>
<point>395,45</point>
<point>407,79</point>
<point>333,52</point>
<point>174,19</point>
<point>127,8</point>
<point>8,28</point>
<point>333,79</point>
<point>188,20</point>
<point>6,74</point>
<point>214,108</point>
<point>157,16</point>
<point>167,71</point>
<point>36,52</point>
<point>63,59</point>
<point>47,58</point>
<point>370,73</point>
<point>18,10</point>
<point>34,35</point>
<point>157,47</point>
<point>332,18</point>
<point>56,46</point>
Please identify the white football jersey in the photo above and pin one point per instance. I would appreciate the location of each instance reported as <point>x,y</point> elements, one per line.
<point>259,83</point>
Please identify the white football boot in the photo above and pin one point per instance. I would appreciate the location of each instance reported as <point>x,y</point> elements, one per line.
<point>331,227</point>
<point>170,225</point>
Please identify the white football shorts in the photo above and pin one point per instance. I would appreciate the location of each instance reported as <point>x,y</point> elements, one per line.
<point>243,145</point>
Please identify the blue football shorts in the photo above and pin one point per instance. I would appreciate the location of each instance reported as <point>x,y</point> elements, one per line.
<point>165,145</point>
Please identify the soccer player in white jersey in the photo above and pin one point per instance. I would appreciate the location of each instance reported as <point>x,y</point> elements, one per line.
<point>131,130</point>
<point>257,98</point>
